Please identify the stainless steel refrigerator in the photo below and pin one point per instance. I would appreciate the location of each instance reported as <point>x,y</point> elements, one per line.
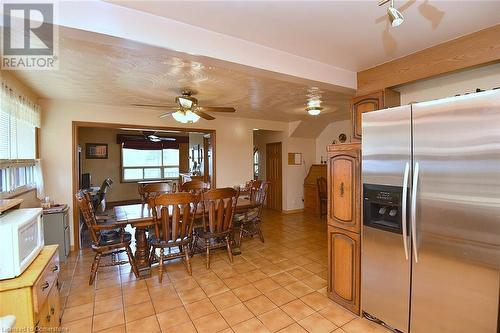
<point>431,215</point>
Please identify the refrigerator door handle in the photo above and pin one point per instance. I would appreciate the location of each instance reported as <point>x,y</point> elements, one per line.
<point>403,208</point>
<point>414,211</point>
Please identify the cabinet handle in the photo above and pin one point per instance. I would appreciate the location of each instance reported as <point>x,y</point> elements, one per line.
<point>48,318</point>
<point>52,310</point>
<point>45,285</point>
<point>342,189</point>
<point>55,268</point>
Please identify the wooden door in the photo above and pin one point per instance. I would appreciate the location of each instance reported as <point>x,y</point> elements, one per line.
<point>344,190</point>
<point>274,176</point>
<point>183,157</point>
<point>344,273</point>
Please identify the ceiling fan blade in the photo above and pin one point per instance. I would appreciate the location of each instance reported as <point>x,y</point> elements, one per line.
<point>167,139</point>
<point>203,115</point>
<point>166,114</point>
<point>152,105</point>
<point>214,109</point>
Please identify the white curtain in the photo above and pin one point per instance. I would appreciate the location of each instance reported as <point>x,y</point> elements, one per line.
<point>18,119</point>
<point>40,189</point>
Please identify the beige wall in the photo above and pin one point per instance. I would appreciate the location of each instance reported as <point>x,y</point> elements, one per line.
<point>465,81</point>
<point>234,141</point>
<point>102,169</point>
<point>293,175</point>
<point>330,133</point>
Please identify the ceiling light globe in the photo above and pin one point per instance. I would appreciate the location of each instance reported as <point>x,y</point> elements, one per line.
<point>180,117</point>
<point>314,112</point>
<point>192,117</point>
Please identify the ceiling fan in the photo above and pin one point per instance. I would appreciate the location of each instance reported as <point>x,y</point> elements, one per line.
<point>188,110</point>
<point>151,136</point>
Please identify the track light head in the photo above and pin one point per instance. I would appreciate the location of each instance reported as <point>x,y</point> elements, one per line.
<point>395,15</point>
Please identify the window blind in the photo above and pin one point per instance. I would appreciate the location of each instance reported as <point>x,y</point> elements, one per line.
<point>18,120</point>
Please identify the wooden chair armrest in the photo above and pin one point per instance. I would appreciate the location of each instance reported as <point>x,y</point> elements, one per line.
<point>103,217</point>
<point>106,226</point>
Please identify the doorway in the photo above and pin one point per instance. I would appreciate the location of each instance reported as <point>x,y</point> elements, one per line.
<point>274,176</point>
<point>179,153</point>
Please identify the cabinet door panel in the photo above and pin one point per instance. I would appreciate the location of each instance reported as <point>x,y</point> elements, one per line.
<point>344,263</point>
<point>342,188</point>
<point>361,105</point>
<point>344,191</point>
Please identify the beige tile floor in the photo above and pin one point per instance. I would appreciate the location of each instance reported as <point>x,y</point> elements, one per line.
<point>276,286</point>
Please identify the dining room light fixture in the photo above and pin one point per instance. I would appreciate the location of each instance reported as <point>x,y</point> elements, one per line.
<point>185,116</point>
<point>314,110</point>
<point>395,16</point>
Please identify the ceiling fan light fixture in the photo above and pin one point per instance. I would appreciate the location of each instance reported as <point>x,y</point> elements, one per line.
<point>154,138</point>
<point>395,15</point>
<point>314,111</point>
<point>186,102</point>
<point>185,117</point>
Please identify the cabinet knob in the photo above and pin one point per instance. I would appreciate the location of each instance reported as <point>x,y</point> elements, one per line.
<point>45,285</point>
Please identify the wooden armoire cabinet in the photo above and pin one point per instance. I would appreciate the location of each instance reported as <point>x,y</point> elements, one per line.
<point>375,101</point>
<point>344,224</point>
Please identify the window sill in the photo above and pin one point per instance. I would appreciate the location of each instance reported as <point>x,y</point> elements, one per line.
<point>20,191</point>
<point>148,180</point>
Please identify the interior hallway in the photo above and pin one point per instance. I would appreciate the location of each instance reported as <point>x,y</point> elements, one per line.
<point>279,285</point>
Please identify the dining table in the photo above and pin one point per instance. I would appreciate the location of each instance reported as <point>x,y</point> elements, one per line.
<point>141,218</point>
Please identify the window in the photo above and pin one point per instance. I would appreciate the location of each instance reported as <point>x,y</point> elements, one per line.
<point>18,121</point>
<point>149,164</point>
<point>17,178</point>
<point>256,164</point>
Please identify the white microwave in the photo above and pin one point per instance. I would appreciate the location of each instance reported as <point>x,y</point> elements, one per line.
<point>21,240</point>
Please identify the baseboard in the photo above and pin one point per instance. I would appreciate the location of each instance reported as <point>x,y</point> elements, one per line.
<point>293,211</point>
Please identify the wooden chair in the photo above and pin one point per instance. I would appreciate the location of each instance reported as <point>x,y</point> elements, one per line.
<point>249,222</point>
<point>147,191</point>
<point>100,199</point>
<point>174,214</point>
<point>253,188</point>
<point>195,186</point>
<point>218,210</point>
<point>322,195</point>
<point>108,239</point>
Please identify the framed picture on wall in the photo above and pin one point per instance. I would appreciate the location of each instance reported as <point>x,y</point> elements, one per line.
<point>96,151</point>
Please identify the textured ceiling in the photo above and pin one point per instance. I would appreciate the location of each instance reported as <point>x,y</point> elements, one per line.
<point>353,35</point>
<point>100,69</point>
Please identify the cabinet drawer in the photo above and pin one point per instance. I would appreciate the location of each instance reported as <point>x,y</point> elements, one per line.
<point>46,281</point>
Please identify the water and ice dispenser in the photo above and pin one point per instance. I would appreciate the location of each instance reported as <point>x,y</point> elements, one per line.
<point>382,207</point>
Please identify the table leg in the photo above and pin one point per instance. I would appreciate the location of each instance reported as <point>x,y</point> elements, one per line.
<point>142,252</point>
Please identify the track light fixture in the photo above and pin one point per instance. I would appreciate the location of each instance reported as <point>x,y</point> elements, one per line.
<point>395,15</point>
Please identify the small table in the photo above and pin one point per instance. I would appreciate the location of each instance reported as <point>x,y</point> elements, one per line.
<point>140,217</point>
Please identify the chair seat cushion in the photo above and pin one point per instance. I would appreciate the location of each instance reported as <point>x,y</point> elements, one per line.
<point>250,215</point>
<point>113,237</point>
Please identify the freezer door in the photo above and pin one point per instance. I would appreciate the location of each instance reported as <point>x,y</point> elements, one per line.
<point>455,281</point>
<point>385,269</point>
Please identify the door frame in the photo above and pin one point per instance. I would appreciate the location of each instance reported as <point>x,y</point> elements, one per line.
<point>76,125</point>
<point>280,173</point>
